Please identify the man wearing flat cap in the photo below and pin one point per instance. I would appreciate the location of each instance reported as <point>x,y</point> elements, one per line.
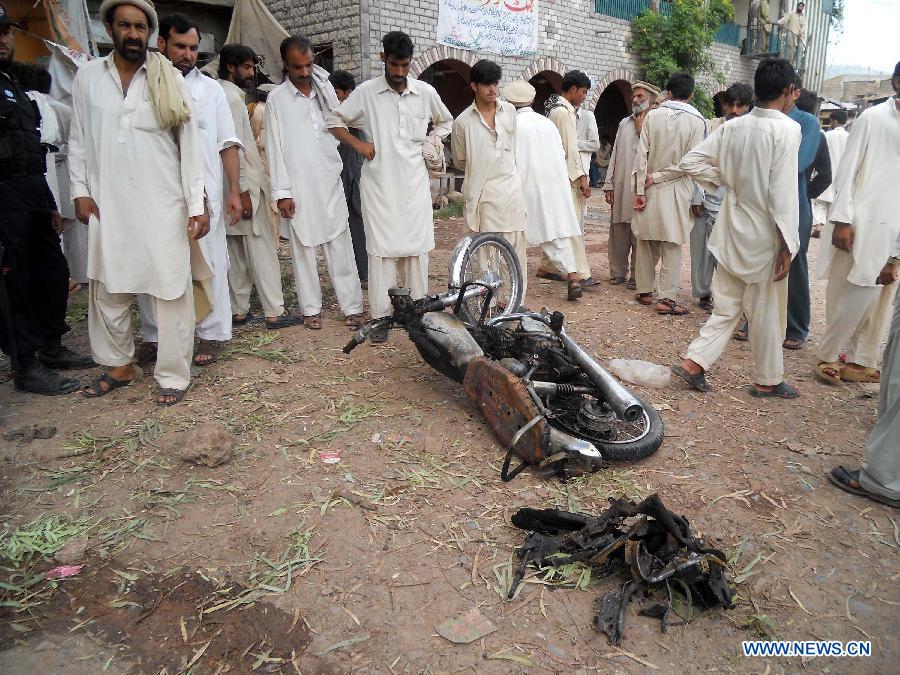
<point>137,179</point>
<point>34,276</point>
<point>617,188</point>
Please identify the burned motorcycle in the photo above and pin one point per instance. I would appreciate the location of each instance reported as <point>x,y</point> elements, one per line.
<point>549,402</point>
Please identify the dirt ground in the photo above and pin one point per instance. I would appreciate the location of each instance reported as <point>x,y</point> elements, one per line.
<point>278,562</point>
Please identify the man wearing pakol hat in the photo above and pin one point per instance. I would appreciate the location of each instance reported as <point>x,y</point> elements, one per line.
<point>617,188</point>
<point>662,220</point>
<point>141,192</point>
<point>483,146</point>
<point>550,218</point>
<point>179,41</point>
<point>34,276</point>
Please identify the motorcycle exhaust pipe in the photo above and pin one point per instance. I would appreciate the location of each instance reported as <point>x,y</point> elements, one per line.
<point>623,402</point>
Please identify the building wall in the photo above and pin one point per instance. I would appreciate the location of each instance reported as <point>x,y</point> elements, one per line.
<point>326,21</point>
<point>818,28</point>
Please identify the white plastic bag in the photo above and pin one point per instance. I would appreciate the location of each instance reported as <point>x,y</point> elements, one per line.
<point>642,373</point>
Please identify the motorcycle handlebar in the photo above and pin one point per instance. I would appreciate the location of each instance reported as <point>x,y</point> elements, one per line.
<point>360,336</point>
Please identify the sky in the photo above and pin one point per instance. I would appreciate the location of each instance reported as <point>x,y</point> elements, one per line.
<point>870,36</point>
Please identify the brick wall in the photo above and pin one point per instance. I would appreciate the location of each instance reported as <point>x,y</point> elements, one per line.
<point>571,35</point>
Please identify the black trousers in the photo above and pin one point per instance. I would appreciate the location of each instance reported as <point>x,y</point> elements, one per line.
<point>357,229</point>
<point>36,279</point>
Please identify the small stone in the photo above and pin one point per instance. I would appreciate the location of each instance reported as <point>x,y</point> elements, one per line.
<point>72,552</point>
<point>208,444</point>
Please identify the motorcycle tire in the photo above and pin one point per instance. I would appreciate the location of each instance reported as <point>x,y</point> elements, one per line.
<point>633,450</point>
<point>464,262</point>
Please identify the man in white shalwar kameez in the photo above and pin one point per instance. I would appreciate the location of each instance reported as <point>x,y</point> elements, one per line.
<point>618,186</point>
<point>863,267</point>
<point>305,170</point>
<point>754,158</point>
<point>251,243</point>
<point>178,41</point>
<point>662,202</point>
<point>394,110</point>
<point>137,179</point>
<point>588,137</point>
<point>483,146</point>
<point>550,218</point>
<point>836,138</point>
<point>794,25</point>
<point>561,110</point>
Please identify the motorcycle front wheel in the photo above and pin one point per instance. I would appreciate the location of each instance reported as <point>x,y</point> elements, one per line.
<point>617,440</point>
<point>487,258</point>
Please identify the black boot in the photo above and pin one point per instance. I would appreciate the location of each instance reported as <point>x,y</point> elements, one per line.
<point>34,377</point>
<point>59,357</point>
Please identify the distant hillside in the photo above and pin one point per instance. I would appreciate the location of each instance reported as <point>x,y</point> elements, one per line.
<point>834,70</point>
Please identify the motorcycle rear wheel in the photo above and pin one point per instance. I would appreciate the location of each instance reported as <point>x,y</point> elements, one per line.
<point>633,442</point>
<point>487,257</point>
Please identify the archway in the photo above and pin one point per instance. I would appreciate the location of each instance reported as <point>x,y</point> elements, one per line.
<point>545,83</point>
<point>613,105</point>
<point>451,79</point>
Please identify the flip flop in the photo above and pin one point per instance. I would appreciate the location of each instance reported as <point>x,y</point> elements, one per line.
<point>553,276</point>
<point>841,477</point>
<point>672,308</point>
<point>617,281</point>
<point>178,394</point>
<point>644,298</point>
<point>792,343</point>
<point>354,321</point>
<point>210,348</point>
<point>781,390</point>
<point>631,285</point>
<point>284,321</point>
<point>697,381</point>
<point>574,291</point>
<point>238,320</point>
<point>95,390</point>
<point>862,374</point>
<point>313,322</point>
<point>740,335</point>
<point>823,376</point>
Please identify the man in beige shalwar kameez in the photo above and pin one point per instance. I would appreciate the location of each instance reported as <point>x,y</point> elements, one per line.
<point>252,260</point>
<point>561,111</point>
<point>754,158</point>
<point>863,268</point>
<point>483,145</point>
<point>138,182</point>
<point>617,188</point>
<point>662,220</point>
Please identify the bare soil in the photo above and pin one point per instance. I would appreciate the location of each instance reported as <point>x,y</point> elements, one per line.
<point>279,562</point>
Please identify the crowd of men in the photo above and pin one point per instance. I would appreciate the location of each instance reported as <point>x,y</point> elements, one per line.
<point>176,193</point>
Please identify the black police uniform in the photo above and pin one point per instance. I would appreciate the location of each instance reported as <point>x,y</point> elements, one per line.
<point>34,270</point>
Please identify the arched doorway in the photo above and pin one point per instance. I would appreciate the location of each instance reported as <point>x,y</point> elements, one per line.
<point>545,84</point>
<point>451,79</point>
<point>613,105</point>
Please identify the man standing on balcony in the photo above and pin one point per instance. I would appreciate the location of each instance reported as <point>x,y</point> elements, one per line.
<point>662,220</point>
<point>617,188</point>
<point>794,23</point>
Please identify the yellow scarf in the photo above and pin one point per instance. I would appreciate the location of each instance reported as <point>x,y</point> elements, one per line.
<point>166,93</point>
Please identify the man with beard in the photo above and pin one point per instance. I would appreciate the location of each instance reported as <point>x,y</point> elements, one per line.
<point>484,148</point>
<point>394,110</point>
<point>663,192</point>
<point>251,242</point>
<point>34,277</point>
<point>305,168</point>
<point>179,41</point>
<point>794,24</point>
<point>137,180</point>
<point>617,188</point>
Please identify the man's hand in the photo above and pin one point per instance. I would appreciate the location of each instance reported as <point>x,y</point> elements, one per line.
<point>888,275</point>
<point>648,181</point>
<point>246,206</point>
<point>233,207</point>
<point>639,203</point>
<point>696,210</point>
<point>584,186</point>
<point>198,226</point>
<point>782,264</point>
<point>85,207</point>
<point>56,221</point>
<point>610,197</point>
<point>367,150</point>
<point>286,208</point>
<point>842,236</point>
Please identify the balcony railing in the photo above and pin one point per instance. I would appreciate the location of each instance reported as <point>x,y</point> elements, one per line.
<point>728,34</point>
